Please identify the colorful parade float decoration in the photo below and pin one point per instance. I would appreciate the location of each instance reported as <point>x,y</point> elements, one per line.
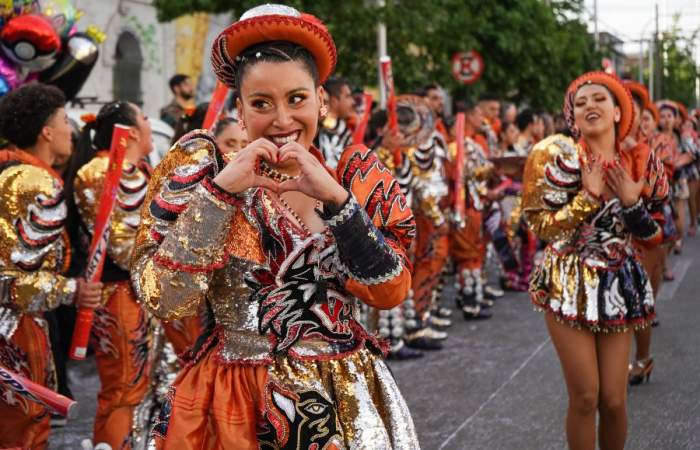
<point>40,41</point>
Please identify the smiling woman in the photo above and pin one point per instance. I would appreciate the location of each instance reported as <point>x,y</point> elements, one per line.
<point>592,200</point>
<point>281,249</point>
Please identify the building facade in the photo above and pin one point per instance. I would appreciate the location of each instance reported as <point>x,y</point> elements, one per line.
<point>140,54</point>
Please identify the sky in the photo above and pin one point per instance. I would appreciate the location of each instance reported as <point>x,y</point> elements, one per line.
<point>629,18</point>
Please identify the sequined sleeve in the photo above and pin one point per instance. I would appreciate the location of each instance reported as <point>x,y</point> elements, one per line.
<point>645,219</point>
<point>184,224</point>
<point>553,201</point>
<point>34,245</point>
<point>126,213</point>
<point>373,230</point>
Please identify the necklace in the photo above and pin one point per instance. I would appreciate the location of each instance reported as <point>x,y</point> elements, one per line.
<point>291,211</point>
<point>274,174</point>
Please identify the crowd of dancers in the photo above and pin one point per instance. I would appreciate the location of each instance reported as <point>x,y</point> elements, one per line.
<point>257,277</point>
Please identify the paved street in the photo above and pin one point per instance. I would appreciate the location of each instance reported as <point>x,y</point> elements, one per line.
<point>498,385</point>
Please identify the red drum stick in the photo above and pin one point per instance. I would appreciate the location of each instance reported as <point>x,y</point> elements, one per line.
<point>37,393</point>
<point>358,137</point>
<point>459,199</point>
<point>216,105</point>
<point>100,237</point>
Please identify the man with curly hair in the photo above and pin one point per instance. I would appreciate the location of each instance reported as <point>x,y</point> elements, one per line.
<point>34,251</point>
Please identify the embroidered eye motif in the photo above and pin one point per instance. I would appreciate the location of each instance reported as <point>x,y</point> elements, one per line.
<point>315,408</point>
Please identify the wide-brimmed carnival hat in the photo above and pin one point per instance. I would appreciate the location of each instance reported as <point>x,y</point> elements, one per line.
<point>638,90</point>
<point>670,104</point>
<point>616,86</point>
<point>271,22</point>
<point>651,107</point>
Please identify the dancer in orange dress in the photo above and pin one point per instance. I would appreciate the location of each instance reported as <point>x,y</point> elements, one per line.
<point>468,243</point>
<point>653,253</point>
<point>590,200</point>
<point>120,331</point>
<point>34,252</point>
<point>281,249</point>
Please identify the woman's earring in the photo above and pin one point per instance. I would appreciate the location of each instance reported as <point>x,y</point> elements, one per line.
<point>242,125</point>
<point>323,112</point>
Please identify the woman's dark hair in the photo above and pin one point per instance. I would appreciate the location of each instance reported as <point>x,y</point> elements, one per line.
<point>638,100</point>
<point>95,136</point>
<point>189,122</point>
<point>26,110</point>
<point>505,125</point>
<point>377,121</point>
<point>525,118</point>
<point>222,124</point>
<point>670,108</point>
<point>274,51</point>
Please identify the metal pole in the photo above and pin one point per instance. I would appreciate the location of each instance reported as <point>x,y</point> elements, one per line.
<point>641,60</point>
<point>652,49</point>
<point>697,69</point>
<point>595,25</point>
<point>657,57</point>
<point>381,51</point>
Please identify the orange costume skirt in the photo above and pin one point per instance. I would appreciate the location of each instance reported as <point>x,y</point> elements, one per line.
<point>290,404</point>
<point>120,337</point>
<point>467,244</point>
<point>23,423</point>
<point>430,257</point>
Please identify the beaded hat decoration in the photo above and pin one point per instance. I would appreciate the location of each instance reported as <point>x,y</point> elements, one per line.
<point>622,96</point>
<point>271,22</point>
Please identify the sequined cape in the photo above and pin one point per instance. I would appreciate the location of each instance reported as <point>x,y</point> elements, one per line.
<point>590,276</point>
<point>423,174</point>
<point>334,136</point>
<point>271,287</point>
<point>126,214</point>
<point>477,170</point>
<point>34,246</point>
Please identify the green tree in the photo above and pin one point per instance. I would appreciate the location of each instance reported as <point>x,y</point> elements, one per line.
<point>532,49</point>
<point>679,70</point>
<point>678,67</point>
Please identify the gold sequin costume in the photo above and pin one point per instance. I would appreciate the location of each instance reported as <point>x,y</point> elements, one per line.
<point>590,276</point>
<point>284,305</point>
<point>120,331</point>
<point>34,252</point>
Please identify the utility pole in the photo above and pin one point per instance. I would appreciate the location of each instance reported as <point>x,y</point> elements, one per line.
<point>658,69</point>
<point>697,69</point>
<point>641,60</point>
<point>381,51</point>
<point>595,25</point>
<point>652,49</point>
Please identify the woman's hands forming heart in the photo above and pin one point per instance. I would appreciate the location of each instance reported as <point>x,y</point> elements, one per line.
<point>241,174</point>
<point>313,180</point>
